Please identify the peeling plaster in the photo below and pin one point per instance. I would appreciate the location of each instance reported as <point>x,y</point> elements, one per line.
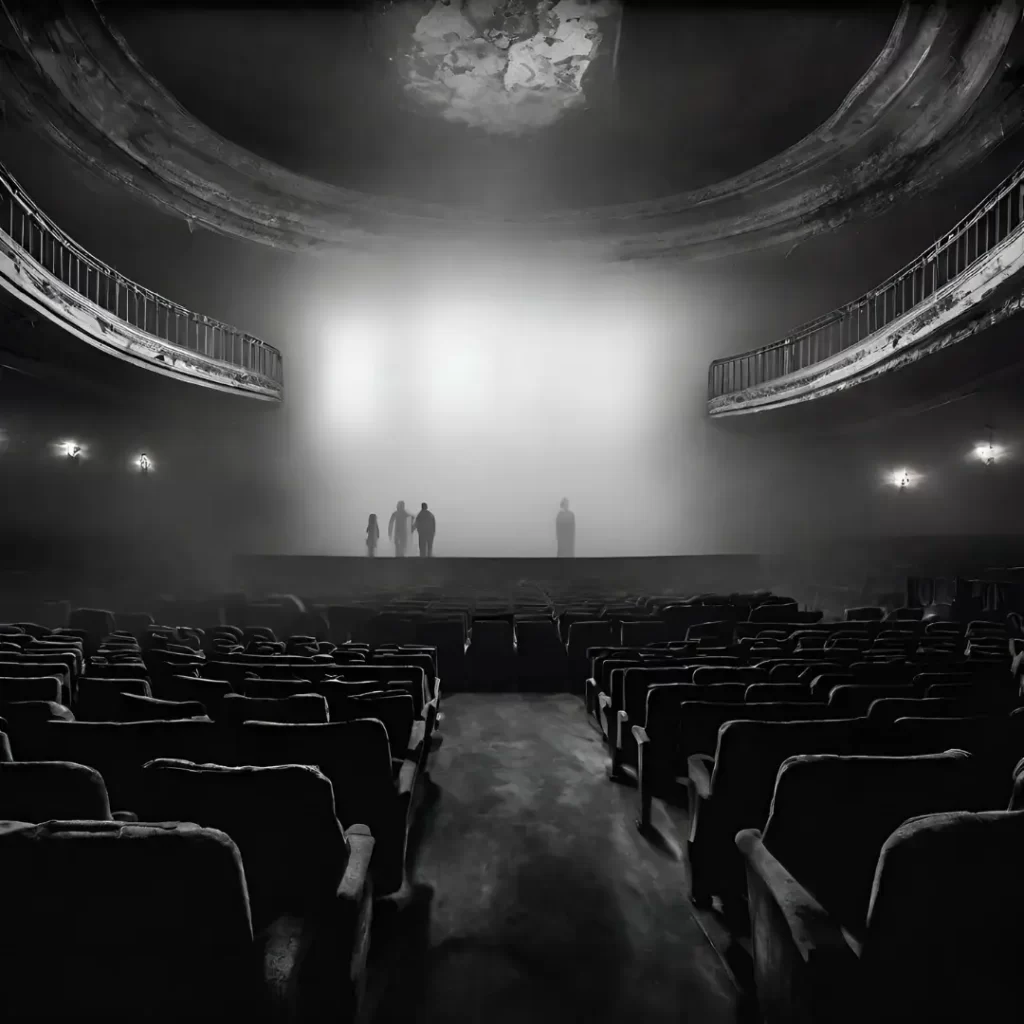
<point>937,98</point>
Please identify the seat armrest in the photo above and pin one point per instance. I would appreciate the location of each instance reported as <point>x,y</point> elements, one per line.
<point>356,878</point>
<point>417,738</point>
<point>640,735</point>
<point>622,729</point>
<point>406,778</point>
<point>699,769</point>
<point>802,956</point>
<point>604,700</point>
<point>813,931</point>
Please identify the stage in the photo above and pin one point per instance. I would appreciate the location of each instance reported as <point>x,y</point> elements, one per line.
<point>324,577</point>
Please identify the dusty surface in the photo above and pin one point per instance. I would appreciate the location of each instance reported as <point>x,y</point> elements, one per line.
<point>538,897</point>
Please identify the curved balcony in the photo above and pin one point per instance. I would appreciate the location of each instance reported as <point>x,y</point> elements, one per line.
<point>55,276</point>
<point>959,286</point>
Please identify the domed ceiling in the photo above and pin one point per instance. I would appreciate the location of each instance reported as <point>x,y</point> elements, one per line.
<point>639,131</point>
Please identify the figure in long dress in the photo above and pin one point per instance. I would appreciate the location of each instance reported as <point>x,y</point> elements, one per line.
<point>565,531</point>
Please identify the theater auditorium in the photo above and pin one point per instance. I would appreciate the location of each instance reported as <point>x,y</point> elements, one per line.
<point>510,510</point>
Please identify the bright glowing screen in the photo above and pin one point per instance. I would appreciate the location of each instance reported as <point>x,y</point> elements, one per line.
<point>490,385</point>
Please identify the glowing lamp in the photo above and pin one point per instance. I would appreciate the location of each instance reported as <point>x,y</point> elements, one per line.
<point>144,463</point>
<point>987,452</point>
<point>901,479</point>
<point>70,449</point>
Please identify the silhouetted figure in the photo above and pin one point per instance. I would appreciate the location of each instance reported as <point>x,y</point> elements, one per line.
<point>426,526</point>
<point>565,531</point>
<point>372,536</point>
<point>398,529</point>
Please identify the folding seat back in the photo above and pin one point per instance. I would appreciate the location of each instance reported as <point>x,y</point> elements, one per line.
<point>748,756</point>
<point>99,700</point>
<point>420,659</point>
<point>864,614</point>
<point>30,688</point>
<point>117,750</point>
<point>281,818</point>
<point>355,756</point>
<point>972,945</point>
<point>721,693</point>
<point>706,675</point>
<point>854,701</point>
<point>310,708</point>
<point>700,721</point>
<point>208,692</point>
<point>48,790</point>
<point>492,635</point>
<point>824,683</point>
<point>831,815</point>
<point>971,694</point>
<point>408,678</point>
<point>394,710</point>
<point>135,708</point>
<point>27,714</point>
<point>882,673</point>
<point>761,693</point>
<point>883,712</point>
<point>538,637</point>
<point>781,611</point>
<point>179,942</point>
<point>641,633</point>
<point>28,666</point>
<point>95,623</point>
<point>584,635</point>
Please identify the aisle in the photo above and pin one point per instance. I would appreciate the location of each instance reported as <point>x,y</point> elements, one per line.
<point>546,904</point>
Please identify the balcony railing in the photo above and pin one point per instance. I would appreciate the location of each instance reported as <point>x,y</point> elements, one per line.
<point>47,245</point>
<point>992,222</point>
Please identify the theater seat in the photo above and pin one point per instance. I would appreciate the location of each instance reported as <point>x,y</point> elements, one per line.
<point>491,656</point>
<point>734,792</point>
<point>356,757</point>
<point>154,924</point>
<point>543,665</point>
<point>99,700</point>
<point>972,942</point>
<point>814,866</point>
<point>46,790</point>
<point>303,707</point>
<point>132,707</point>
<point>308,881</point>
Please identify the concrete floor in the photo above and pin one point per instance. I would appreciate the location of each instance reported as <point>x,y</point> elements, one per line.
<point>537,899</point>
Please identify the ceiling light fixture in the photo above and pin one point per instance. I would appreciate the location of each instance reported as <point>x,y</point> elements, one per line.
<point>988,451</point>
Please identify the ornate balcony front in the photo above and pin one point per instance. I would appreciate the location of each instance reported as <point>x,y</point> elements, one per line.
<point>963,284</point>
<point>56,277</point>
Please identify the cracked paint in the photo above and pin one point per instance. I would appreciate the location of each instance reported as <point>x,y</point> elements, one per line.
<point>939,96</point>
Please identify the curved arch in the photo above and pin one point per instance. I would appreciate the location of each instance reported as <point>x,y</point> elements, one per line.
<point>934,99</point>
<point>52,274</point>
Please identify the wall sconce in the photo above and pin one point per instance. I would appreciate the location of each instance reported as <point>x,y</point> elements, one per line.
<point>901,479</point>
<point>70,450</point>
<point>987,451</point>
<point>144,463</point>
